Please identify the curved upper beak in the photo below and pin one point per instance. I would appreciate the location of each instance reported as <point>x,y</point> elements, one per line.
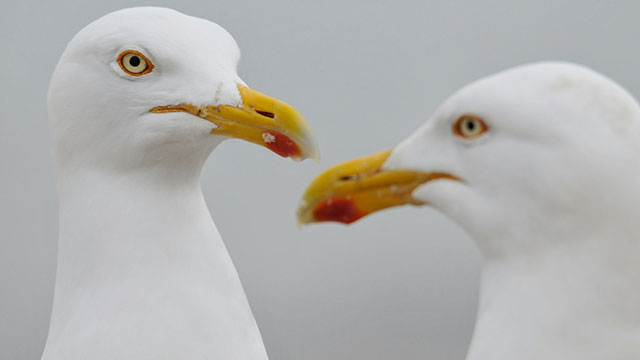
<point>259,119</point>
<point>349,191</point>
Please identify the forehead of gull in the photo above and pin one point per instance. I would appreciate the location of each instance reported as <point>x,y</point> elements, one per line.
<point>158,32</point>
<point>549,92</point>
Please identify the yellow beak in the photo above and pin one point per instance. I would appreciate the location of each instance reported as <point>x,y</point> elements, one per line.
<point>356,188</point>
<point>261,120</point>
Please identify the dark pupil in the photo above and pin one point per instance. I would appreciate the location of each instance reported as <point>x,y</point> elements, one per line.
<point>470,125</point>
<point>134,61</point>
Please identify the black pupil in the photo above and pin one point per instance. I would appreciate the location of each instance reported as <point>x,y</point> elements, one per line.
<point>134,61</point>
<point>471,125</point>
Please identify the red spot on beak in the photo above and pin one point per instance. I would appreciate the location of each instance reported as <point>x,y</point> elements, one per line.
<point>281,145</point>
<point>337,209</point>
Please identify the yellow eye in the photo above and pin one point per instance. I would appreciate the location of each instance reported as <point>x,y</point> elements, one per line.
<point>469,126</point>
<point>134,63</point>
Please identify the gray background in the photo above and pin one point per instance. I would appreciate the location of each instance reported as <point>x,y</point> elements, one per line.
<point>401,284</point>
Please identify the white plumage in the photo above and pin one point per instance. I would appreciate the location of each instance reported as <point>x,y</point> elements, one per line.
<point>550,196</point>
<point>545,179</point>
<point>142,271</point>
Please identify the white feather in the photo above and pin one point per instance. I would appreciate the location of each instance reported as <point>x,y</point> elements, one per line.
<point>142,271</point>
<point>550,196</point>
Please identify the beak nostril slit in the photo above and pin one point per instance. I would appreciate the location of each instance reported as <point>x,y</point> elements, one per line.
<point>348,177</point>
<point>266,113</point>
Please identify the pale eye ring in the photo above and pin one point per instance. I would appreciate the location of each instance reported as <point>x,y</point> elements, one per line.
<point>134,63</point>
<point>469,126</point>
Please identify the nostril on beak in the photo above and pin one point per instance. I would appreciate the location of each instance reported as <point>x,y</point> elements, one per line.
<point>349,177</point>
<point>266,113</point>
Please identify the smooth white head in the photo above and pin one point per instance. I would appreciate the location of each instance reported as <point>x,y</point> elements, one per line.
<point>101,100</point>
<point>558,155</point>
<point>99,114</point>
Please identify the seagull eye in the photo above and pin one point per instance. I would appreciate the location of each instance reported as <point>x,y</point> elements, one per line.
<point>469,126</point>
<point>134,63</point>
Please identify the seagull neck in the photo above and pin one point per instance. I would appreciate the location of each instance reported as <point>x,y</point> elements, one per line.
<point>143,273</point>
<point>103,213</point>
<point>575,300</point>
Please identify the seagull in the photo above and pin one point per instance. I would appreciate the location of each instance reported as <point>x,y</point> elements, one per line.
<point>137,102</point>
<point>539,164</point>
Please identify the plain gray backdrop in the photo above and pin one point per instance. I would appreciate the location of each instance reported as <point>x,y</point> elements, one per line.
<point>400,284</point>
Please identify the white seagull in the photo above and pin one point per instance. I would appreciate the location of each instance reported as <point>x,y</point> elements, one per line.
<point>137,102</point>
<point>540,164</point>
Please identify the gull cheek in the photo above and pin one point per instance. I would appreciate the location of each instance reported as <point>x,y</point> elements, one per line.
<point>441,192</point>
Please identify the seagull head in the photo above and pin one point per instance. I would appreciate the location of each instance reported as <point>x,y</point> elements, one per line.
<point>146,85</point>
<point>532,150</point>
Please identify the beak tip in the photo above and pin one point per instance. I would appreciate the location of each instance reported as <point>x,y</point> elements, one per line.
<point>308,152</point>
<point>313,150</point>
<point>316,157</point>
<point>303,216</point>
